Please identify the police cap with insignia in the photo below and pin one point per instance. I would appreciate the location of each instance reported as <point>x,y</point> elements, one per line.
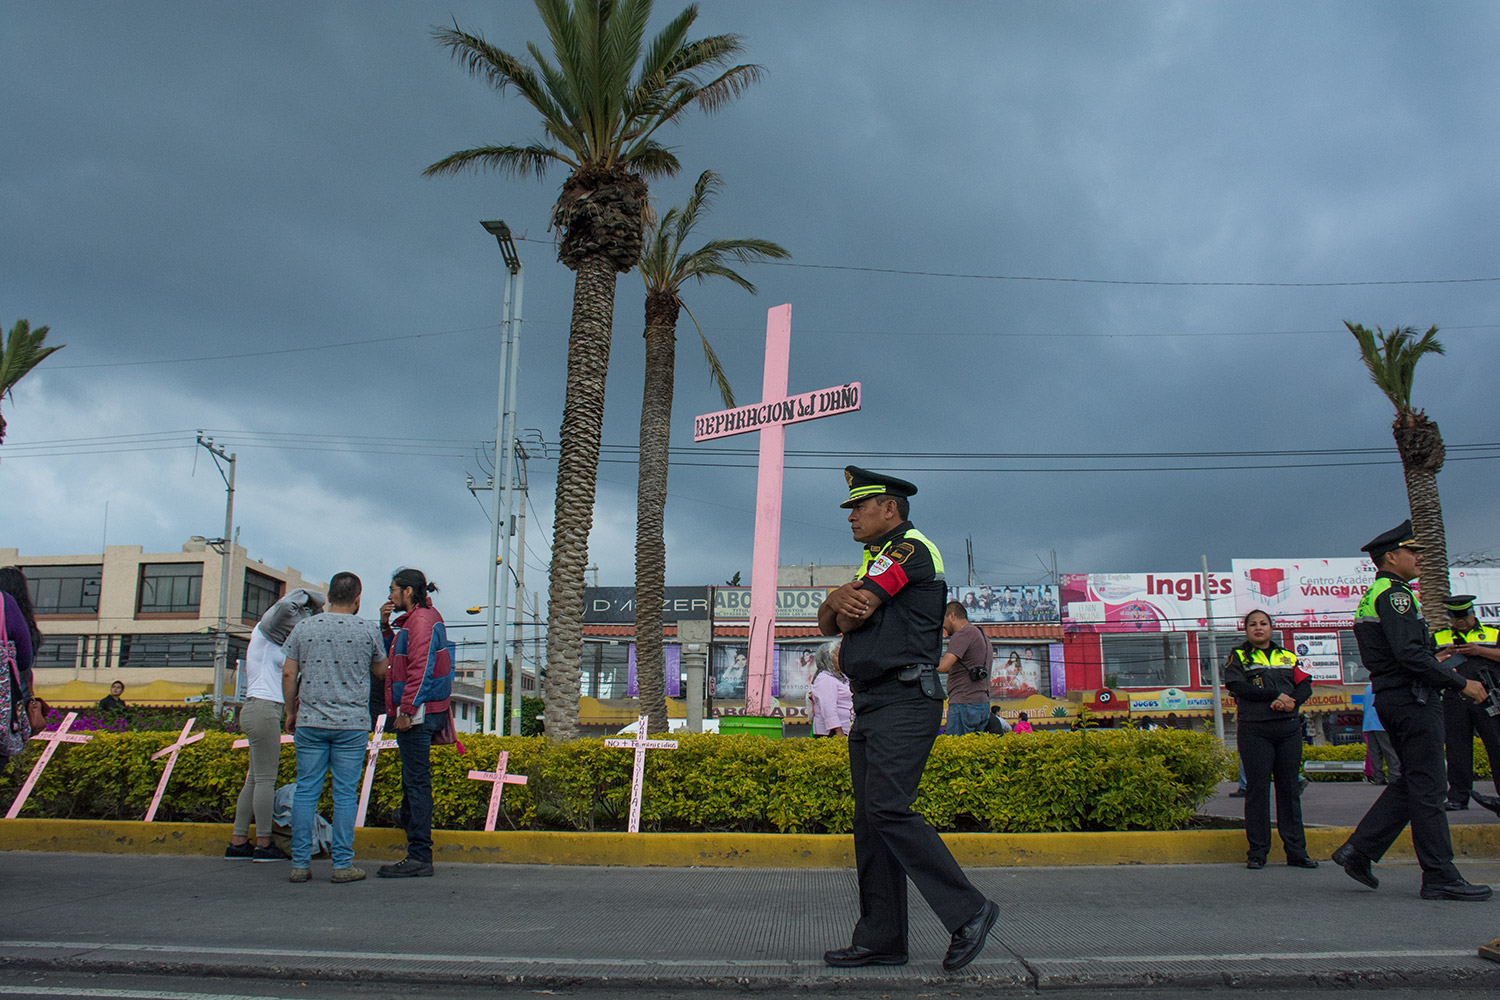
<point>864,483</point>
<point>1460,604</point>
<point>1399,537</point>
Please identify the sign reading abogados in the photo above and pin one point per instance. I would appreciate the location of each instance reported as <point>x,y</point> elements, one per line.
<point>791,410</point>
<point>793,604</point>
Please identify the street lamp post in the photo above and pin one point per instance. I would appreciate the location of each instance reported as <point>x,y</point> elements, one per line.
<point>505,450</point>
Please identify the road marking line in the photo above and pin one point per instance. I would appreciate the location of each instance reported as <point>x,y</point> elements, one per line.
<point>58,991</point>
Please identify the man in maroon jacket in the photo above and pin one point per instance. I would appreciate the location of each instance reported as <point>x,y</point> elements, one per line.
<point>417,691</point>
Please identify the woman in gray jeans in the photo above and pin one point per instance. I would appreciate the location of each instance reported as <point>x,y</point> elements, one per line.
<point>260,718</point>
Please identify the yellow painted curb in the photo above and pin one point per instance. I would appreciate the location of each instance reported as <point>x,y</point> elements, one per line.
<point>718,850</point>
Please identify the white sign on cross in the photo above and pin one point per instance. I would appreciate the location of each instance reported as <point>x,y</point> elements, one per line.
<point>640,744</point>
<point>371,752</point>
<point>770,417</point>
<point>171,752</point>
<point>500,779</point>
<point>52,739</point>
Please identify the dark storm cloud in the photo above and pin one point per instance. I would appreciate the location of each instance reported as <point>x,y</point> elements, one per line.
<point>192,181</point>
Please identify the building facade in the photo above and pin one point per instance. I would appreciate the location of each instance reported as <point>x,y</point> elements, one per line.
<point>148,620</point>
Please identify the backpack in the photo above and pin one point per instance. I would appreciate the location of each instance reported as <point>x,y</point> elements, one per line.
<point>15,725</point>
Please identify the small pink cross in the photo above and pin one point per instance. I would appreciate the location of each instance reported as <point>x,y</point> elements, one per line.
<point>371,752</point>
<point>640,744</point>
<point>242,744</point>
<point>500,778</point>
<point>52,739</point>
<point>171,752</point>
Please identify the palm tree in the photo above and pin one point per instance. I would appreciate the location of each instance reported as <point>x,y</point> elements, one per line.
<point>23,351</point>
<point>1392,362</point>
<point>601,103</point>
<point>665,268</point>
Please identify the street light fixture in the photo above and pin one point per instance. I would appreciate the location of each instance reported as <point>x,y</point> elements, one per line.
<point>505,457</point>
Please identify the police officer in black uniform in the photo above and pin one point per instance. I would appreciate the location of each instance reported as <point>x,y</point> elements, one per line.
<point>1399,653</point>
<point>891,619</point>
<point>1468,647</point>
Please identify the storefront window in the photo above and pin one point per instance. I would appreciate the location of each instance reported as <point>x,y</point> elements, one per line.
<point>606,669</point>
<point>1222,644</point>
<point>1354,667</point>
<point>1157,659</point>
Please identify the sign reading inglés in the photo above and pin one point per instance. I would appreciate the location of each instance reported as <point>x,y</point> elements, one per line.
<point>791,410</point>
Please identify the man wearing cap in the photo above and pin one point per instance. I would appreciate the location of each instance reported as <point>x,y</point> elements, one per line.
<point>1399,653</point>
<point>1468,647</point>
<point>891,619</point>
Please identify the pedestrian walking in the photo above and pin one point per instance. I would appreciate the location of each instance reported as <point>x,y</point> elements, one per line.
<point>890,617</point>
<point>324,687</point>
<point>1397,649</point>
<point>417,703</point>
<point>1269,687</point>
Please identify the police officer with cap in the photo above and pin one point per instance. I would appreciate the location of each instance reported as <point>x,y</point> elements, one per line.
<point>891,618</point>
<point>1472,647</point>
<point>1399,653</point>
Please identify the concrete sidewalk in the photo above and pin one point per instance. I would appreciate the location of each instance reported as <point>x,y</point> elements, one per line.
<point>550,927</point>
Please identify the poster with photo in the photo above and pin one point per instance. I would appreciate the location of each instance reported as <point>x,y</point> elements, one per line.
<point>795,666</point>
<point>1017,671</point>
<point>998,605</point>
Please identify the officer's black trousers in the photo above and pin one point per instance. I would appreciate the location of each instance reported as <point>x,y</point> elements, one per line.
<point>888,748</point>
<point>1416,797</point>
<point>1464,719</point>
<point>1270,750</point>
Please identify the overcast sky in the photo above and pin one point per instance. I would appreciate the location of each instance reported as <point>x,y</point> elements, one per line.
<point>1030,229</point>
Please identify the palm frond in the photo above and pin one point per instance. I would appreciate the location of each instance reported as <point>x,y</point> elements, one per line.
<point>1391,359</point>
<point>23,352</point>
<point>716,373</point>
<point>517,161</point>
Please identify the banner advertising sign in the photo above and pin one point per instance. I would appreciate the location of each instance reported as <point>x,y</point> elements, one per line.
<point>1017,670</point>
<point>1318,654</point>
<point>1059,670</point>
<point>793,604</point>
<point>793,666</point>
<point>1302,591</point>
<point>616,605</point>
<point>1484,583</point>
<point>672,662</point>
<point>1170,700</point>
<point>996,605</point>
<point>1144,602</point>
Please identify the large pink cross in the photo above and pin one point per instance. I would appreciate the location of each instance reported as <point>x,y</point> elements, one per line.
<point>170,752</point>
<point>640,744</point>
<point>371,752</point>
<point>770,417</point>
<point>52,739</point>
<point>500,779</point>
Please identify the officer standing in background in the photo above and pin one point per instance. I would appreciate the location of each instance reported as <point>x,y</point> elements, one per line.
<point>1469,644</point>
<point>1398,651</point>
<point>891,619</point>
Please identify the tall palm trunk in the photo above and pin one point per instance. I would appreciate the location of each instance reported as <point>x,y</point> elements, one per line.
<point>578,461</point>
<point>1420,444</point>
<point>650,508</point>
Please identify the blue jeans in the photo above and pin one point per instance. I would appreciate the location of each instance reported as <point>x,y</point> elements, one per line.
<point>967,718</point>
<point>320,751</point>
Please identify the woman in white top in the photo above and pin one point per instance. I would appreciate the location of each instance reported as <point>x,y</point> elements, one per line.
<point>260,719</point>
<point>830,698</point>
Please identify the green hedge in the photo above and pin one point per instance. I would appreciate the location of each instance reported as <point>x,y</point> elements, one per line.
<point>1356,751</point>
<point>1089,780</point>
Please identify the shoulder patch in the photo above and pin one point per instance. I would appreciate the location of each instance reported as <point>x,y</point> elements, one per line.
<point>1401,603</point>
<point>901,551</point>
<point>879,566</point>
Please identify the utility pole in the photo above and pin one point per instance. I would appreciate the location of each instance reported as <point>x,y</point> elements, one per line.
<point>969,549</point>
<point>225,547</point>
<point>519,565</point>
<point>1213,653</point>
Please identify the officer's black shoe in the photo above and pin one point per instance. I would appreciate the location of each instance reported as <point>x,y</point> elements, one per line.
<point>1238,793</point>
<point>1301,863</point>
<point>1356,866</point>
<point>1255,864</point>
<point>854,955</point>
<point>968,940</point>
<point>1490,802</point>
<point>1460,890</point>
<point>1452,806</point>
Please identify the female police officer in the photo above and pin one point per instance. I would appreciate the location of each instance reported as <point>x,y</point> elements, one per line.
<point>1269,687</point>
